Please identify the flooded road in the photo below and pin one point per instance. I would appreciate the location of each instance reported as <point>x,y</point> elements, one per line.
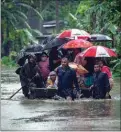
<point>22,114</point>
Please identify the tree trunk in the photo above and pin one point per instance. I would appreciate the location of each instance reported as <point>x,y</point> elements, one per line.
<point>113,44</point>
<point>2,35</point>
<point>7,28</point>
<point>57,24</point>
<point>93,21</point>
<point>7,45</point>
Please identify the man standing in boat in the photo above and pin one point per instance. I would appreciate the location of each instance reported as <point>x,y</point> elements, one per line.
<point>66,80</point>
<point>30,74</point>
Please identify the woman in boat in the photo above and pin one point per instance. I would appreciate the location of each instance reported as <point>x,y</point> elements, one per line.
<point>87,79</point>
<point>30,75</point>
<point>54,60</point>
<point>52,80</point>
<point>44,66</point>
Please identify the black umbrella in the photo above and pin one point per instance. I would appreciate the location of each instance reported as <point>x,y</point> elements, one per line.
<point>48,39</point>
<point>99,38</point>
<point>21,58</point>
<point>31,49</point>
<point>55,42</point>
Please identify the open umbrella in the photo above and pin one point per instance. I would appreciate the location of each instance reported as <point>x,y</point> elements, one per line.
<point>79,68</point>
<point>74,33</point>
<point>33,49</point>
<point>78,43</point>
<point>22,55</point>
<point>55,42</point>
<point>99,38</point>
<point>20,59</point>
<point>98,51</point>
<point>48,39</point>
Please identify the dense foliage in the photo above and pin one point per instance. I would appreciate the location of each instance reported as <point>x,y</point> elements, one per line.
<point>15,29</point>
<point>101,17</point>
<point>93,16</point>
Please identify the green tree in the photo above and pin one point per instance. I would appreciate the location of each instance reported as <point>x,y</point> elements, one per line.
<point>102,17</point>
<point>14,20</point>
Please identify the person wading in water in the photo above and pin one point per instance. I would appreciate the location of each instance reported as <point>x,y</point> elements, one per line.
<point>66,80</point>
<point>101,84</point>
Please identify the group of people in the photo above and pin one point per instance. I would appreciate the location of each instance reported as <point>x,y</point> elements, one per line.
<point>96,84</point>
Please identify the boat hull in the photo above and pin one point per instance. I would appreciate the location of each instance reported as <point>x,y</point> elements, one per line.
<point>43,92</point>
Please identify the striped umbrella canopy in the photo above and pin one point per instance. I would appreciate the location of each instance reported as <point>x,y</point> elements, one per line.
<point>98,51</point>
<point>74,33</point>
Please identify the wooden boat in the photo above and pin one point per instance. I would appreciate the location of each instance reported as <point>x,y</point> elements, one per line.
<point>47,93</point>
<point>43,92</point>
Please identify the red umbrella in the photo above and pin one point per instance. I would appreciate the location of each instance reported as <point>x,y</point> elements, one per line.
<point>78,43</point>
<point>97,51</point>
<point>74,33</point>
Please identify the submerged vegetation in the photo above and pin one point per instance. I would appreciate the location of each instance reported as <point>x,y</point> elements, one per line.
<point>93,16</point>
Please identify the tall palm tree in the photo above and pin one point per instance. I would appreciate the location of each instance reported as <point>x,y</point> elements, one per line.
<point>13,14</point>
<point>14,17</point>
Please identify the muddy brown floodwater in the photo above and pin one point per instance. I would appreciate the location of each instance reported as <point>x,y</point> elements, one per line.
<point>81,115</point>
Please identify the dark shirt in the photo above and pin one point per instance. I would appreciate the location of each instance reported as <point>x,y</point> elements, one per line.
<point>53,55</point>
<point>90,65</point>
<point>66,78</point>
<point>101,83</point>
<point>27,72</point>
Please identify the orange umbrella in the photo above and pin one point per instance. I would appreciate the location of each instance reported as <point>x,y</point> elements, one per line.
<point>78,43</point>
<point>79,68</point>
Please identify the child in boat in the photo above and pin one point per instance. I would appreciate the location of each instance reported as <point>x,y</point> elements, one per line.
<point>52,80</point>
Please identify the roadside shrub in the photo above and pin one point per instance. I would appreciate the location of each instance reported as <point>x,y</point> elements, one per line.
<point>7,61</point>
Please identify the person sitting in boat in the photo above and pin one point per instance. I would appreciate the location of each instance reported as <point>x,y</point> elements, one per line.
<point>101,85</point>
<point>107,70</point>
<point>54,60</point>
<point>52,80</point>
<point>44,66</point>
<point>87,78</point>
<point>66,79</point>
<point>30,74</point>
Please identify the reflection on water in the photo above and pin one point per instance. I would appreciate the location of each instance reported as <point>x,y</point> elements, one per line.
<point>22,114</point>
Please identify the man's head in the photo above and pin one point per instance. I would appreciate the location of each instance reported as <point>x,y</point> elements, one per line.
<point>64,62</point>
<point>96,68</point>
<point>101,63</point>
<point>31,58</point>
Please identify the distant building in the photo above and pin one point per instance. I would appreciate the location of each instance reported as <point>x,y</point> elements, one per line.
<point>50,26</point>
<point>49,29</point>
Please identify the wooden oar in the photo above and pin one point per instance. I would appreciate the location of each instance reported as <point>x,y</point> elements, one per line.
<point>15,93</point>
<point>19,89</point>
